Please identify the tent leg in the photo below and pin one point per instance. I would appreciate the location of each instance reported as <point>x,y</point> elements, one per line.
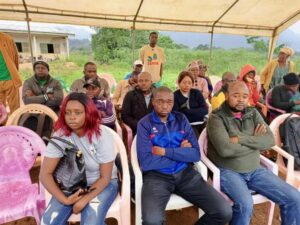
<point>210,50</point>
<point>272,44</point>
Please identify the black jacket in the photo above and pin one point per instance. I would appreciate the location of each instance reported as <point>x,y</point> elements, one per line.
<point>197,108</point>
<point>134,108</point>
<point>281,96</point>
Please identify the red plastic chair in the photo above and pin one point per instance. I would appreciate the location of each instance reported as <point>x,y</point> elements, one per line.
<point>19,198</point>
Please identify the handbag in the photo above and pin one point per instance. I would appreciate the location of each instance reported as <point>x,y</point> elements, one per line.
<point>70,173</point>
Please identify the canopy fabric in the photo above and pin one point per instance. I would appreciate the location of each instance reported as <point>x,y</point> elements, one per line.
<point>244,17</point>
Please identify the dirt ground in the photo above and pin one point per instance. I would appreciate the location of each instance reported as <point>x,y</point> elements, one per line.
<point>186,216</point>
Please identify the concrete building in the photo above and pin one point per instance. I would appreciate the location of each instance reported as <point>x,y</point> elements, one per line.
<point>47,43</point>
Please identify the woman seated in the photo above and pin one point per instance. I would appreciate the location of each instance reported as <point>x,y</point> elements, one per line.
<point>200,83</point>
<point>79,123</point>
<point>190,102</point>
<point>247,74</point>
<point>286,96</point>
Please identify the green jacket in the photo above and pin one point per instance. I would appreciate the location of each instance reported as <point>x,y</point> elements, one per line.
<point>241,157</point>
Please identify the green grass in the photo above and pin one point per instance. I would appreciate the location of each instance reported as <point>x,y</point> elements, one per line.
<point>176,60</point>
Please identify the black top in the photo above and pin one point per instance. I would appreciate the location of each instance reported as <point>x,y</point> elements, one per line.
<point>196,108</point>
<point>281,96</point>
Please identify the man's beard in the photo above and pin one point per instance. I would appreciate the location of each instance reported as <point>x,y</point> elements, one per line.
<point>235,110</point>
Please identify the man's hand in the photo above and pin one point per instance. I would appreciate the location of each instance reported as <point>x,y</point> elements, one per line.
<point>234,140</point>
<point>260,129</point>
<point>29,93</point>
<point>156,150</point>
<point>79,205</point>
<point>185,144</point>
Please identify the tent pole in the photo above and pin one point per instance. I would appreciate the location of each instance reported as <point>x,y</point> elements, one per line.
<point>28,29</point>
<point>133,30</point>
<point>272,44</point>
<point>133,43</point>
<point>210,50</point>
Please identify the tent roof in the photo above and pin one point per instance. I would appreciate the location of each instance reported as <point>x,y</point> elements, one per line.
<point>244,17</point>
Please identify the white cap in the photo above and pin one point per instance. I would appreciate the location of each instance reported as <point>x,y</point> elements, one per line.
<point>137,62</point>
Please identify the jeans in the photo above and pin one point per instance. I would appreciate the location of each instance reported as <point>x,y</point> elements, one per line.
<point>264,182</point>
<point>188,183</point>
<point>58,213</point>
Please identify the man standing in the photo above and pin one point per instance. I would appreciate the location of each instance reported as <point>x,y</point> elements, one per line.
<point>272,74</point>
<point>9,75</point>
<point>236,135</point>
<point>90,72</point>
<point>41,88</point>
<point>166,147</point>
<point>137,103</point>
<point>153,58</point>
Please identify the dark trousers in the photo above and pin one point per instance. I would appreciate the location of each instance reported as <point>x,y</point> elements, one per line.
<point>188,183</point>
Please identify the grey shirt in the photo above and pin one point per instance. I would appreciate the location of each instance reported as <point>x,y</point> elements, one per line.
<point>101,150</point>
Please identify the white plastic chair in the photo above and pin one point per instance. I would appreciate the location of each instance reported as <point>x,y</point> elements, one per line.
<point>120,209</point>
<point>175,202</point>
<point>292,176</point>
<point>30,108</point>
<point>257,198</point>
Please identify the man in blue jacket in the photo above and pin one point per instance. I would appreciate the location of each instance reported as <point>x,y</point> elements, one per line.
<point>167,147</point>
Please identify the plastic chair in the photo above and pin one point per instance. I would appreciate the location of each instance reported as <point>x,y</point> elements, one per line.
<point>120,209</point>
<point>217,86</point>
<point>3,113</point>
<point>30,108</point>
<point>175,202</point>
<point>274,112</point>
<point>112,83</point>
<point>127,138</point>
<point>19,198</point>
<point>119,129</point>
<point>292,176</point>
<point>257,198</point>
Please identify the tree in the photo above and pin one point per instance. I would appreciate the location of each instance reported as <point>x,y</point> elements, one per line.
<point>107,42</point>
<point>258,44</point>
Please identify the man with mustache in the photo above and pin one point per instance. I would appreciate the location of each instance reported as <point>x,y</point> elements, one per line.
<point>236,135</point>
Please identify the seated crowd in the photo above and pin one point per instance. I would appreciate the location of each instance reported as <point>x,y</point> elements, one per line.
<point>167,126</point>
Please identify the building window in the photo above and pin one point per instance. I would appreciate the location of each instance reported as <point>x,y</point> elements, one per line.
<point>19,46</point>
<point>46,48</point>
<point>22,47</point>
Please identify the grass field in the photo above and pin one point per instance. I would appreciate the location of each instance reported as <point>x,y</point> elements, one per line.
<point>176,61</point>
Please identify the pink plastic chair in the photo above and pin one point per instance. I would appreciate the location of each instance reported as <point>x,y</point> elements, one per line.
<point>128,136</point>
<point>120,209</point>
<point>3,113</point>
<point>112,83</point>
<point>19,198</point>
<point>257,198</point>
<point>217,86</point>
<point>274,112</point>
<point>292,176</point>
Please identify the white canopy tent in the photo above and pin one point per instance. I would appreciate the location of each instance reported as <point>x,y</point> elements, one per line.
<point>244,17</point>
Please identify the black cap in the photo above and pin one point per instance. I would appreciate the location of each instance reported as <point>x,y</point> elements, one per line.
<point>291,79</point>
<point>92,82</point>
<point>42,63</point>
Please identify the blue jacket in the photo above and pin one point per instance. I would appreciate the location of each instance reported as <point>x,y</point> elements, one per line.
<point>152,132</point>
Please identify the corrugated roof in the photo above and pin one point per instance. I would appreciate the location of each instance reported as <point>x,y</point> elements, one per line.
<point>35,29</point>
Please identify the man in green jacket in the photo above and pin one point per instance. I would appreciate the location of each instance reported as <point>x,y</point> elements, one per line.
<point>41,88</point>
<point>236,135</point>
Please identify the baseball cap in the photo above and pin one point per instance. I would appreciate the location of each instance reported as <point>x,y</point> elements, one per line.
<point>92,82</point>
<point>138,62</point>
